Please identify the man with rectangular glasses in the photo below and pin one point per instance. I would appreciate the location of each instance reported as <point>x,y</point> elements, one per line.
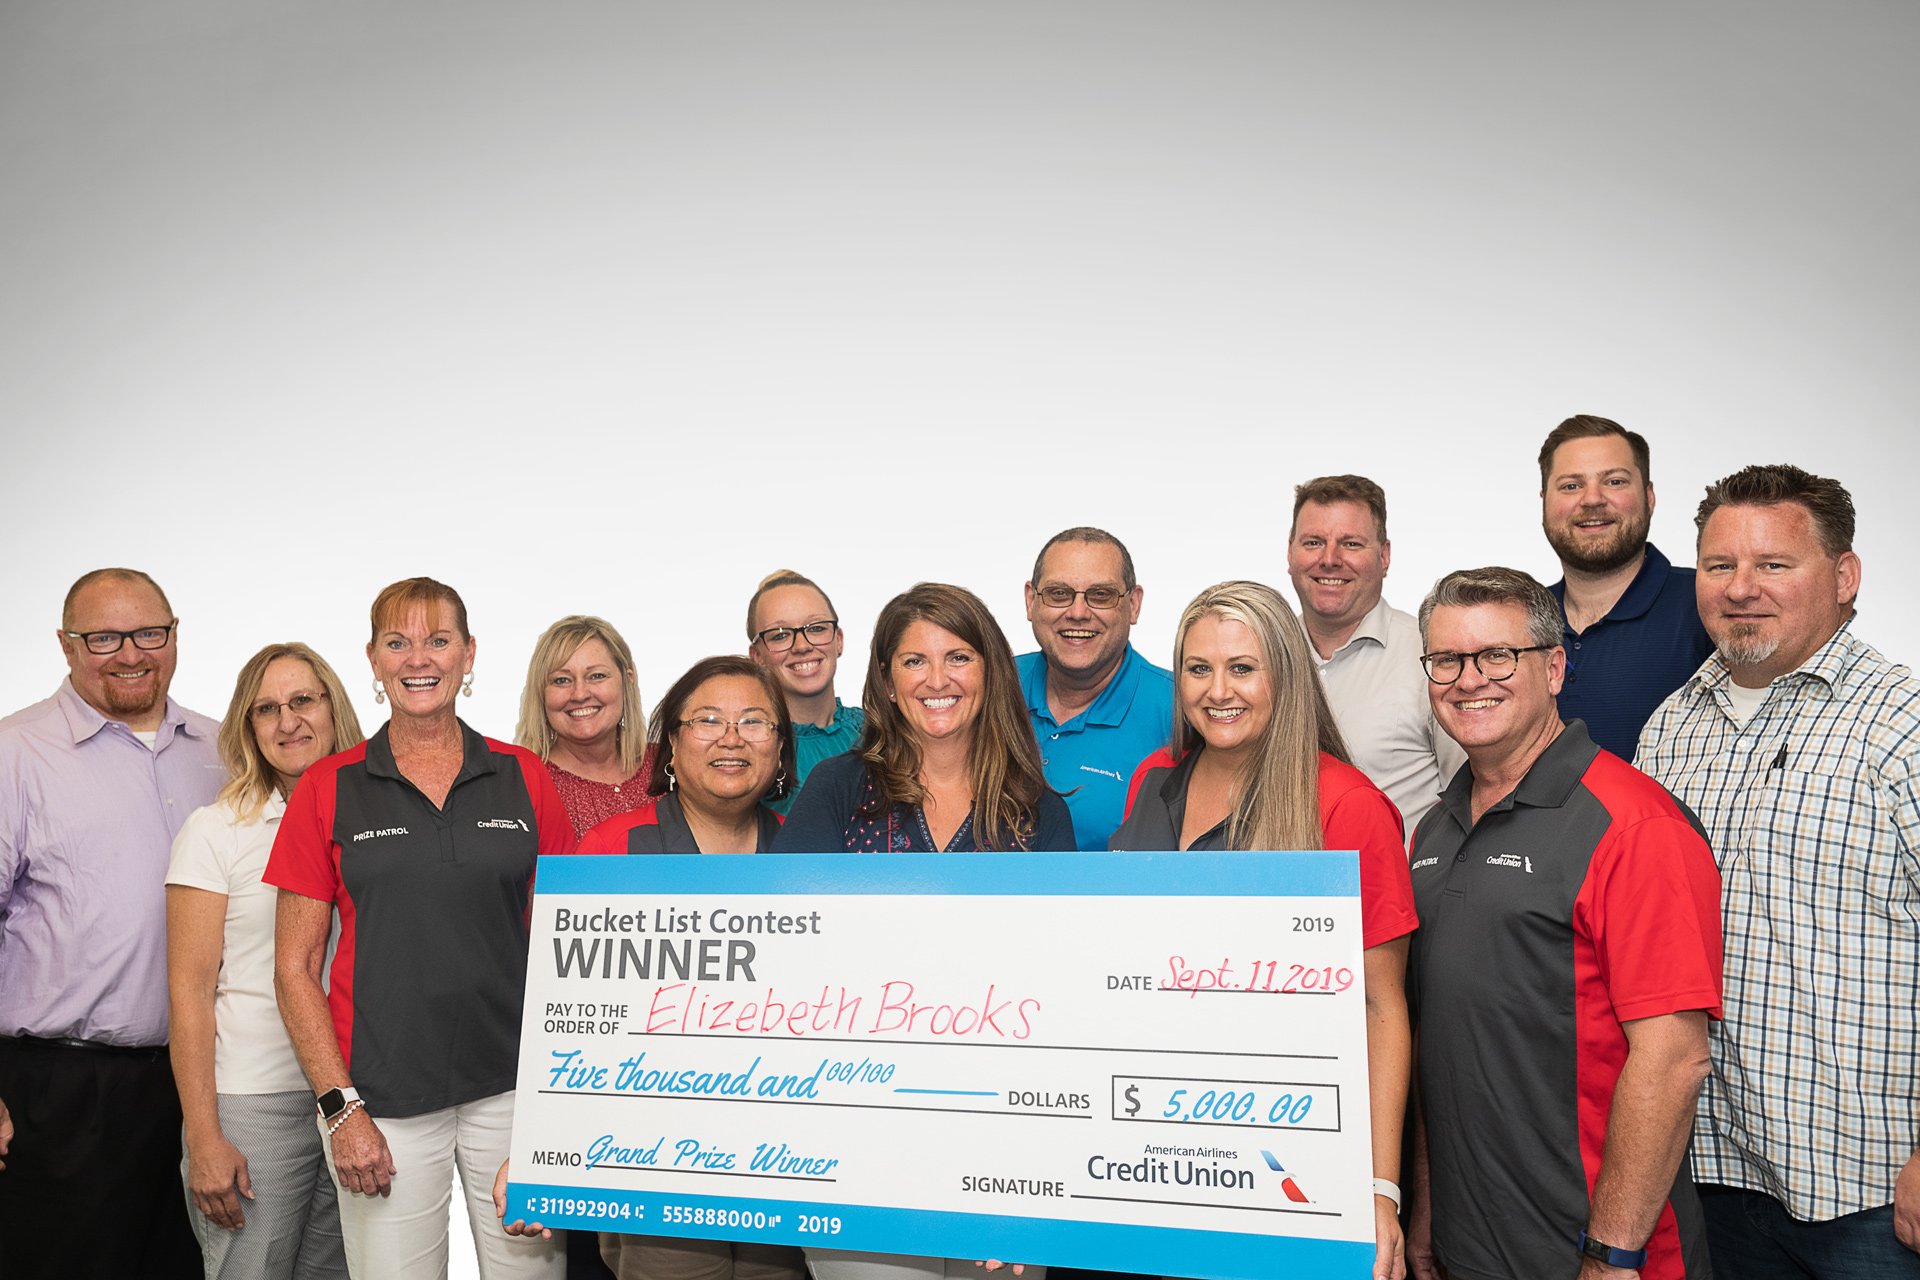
<point>95,782</point>
<point>1567,962</point>
<point>1098,707</point>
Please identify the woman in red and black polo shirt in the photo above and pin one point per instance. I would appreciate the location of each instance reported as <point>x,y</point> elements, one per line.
<point>424,840</point>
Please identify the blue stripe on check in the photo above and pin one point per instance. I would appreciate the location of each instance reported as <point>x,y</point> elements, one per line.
<point>929,1233</point>
<point>1308,874</point>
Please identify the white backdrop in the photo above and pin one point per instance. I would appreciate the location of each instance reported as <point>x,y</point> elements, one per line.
<point>615,307</point>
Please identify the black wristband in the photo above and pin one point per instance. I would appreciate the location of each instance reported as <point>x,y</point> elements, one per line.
<point>1625,1259</point>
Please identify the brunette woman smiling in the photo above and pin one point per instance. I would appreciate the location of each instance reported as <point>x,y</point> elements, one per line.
<point>947,762</point>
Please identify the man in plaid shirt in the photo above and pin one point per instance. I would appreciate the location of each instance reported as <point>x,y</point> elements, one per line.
<point>1798,745</point>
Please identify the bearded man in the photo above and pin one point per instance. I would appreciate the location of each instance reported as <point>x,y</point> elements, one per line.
<point>1633,635</point>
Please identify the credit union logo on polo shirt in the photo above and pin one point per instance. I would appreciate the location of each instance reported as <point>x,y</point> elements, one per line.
<point>375,834</point>
<point>510,824</point>
<point>1515,860</point>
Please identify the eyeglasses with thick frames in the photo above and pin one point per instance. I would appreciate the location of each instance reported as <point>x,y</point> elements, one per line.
<point>1495,662</point>
<point>105,642</point>
<point>753,729</point>
<point>1104,596</point>
<point>299,704</point>
<point>818,634</point>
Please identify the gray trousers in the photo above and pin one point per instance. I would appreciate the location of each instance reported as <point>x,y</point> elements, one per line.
<point>292,1230</point>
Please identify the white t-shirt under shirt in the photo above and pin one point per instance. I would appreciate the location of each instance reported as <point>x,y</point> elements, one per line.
<point>1746,702</point>
<point>251,1052</point>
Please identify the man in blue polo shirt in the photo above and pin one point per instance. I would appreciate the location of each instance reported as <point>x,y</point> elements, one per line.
<point>1633,634</point>
<point>1098,707</point>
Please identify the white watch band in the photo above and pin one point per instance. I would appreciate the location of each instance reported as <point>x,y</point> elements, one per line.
<point>1381,1187</point>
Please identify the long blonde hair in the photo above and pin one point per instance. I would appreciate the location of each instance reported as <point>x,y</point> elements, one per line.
<point>250,779</point>
<point>558,643</point>
<point>1276,798</point>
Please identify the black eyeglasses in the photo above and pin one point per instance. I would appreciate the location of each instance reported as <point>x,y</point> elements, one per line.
<point>817,634</point>
<point>299,704</point>
<point>1059,596</point>
<point>1496,662</point>
<point>105,642</point>
<point>754,729</point>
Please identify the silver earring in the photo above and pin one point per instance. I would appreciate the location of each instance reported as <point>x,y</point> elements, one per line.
<point>669,772</point>
<point>379,690</point>
<point>466,685</point>
<point>780,784</point>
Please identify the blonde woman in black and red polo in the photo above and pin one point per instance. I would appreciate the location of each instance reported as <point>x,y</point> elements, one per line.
<point>424,840</point>
<point>1257,763</point>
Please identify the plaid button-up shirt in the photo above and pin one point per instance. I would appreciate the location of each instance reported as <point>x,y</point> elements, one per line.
<point>1812,811</point>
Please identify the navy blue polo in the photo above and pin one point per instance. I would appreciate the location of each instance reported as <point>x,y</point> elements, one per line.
<point>1623,666</point>
<point>1091,758</point>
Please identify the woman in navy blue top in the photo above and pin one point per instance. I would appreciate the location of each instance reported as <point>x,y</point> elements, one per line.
<point>947,761</point>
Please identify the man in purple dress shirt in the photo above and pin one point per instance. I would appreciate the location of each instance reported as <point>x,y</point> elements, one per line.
<point>94,783</point>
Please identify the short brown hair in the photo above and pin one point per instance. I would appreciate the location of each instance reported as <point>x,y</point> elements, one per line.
<point>1587,426</point>
<point>87,579</point>
<point>394,601</point>
<point>1826,501</point>
<point>1342,489</point>
<point>1495,584</point>
<point>1099,538</point>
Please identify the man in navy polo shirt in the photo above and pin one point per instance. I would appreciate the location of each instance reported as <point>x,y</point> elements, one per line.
<point>1098,707</point>
<point>1632,633</point>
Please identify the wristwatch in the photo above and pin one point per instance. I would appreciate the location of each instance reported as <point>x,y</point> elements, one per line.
<point>334,1101</point>
<point>1625,1259</point>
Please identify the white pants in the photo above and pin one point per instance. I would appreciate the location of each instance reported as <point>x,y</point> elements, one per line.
<point>403,1236</point>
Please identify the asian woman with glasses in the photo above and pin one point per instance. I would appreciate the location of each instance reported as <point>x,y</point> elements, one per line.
<point>722,742</point>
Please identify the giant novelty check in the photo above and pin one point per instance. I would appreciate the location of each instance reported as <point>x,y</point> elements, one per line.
<point>1151,1062</point>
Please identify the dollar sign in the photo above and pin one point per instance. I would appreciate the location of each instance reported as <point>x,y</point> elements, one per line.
<point>1133,1099</point>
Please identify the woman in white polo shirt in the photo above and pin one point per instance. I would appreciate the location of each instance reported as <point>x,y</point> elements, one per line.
<point>261,1200</point>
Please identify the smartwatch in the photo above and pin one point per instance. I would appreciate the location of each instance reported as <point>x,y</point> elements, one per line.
<point>334,1101</point>
<point>1625,1259</point>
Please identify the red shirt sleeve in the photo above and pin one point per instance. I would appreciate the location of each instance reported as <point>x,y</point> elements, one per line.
<point>303,860</point>
<point>611,836</point>
<point>1355,814</point>
<point>1161,759</point>
<point>549,810</point>
<point>1651,907</point>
